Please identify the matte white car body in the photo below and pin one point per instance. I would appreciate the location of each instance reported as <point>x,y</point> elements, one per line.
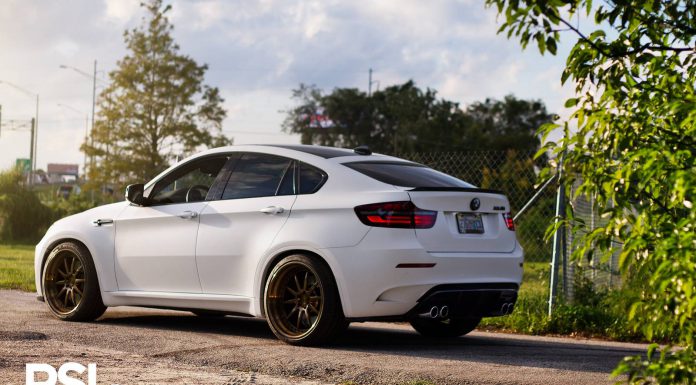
<point>218,259</point>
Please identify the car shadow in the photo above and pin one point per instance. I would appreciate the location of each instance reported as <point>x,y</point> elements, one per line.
<point>493,348</point>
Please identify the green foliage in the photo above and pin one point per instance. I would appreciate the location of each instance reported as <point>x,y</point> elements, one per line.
<point>23,218</point>
<point>17,267</point>
<point>666,365</point>
<point>635,151</point>
<point>403,118</point>
<point>155,108</point>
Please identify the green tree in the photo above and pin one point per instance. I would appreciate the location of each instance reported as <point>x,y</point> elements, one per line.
<point>404,118</point>
<point>155,108</point>
<point>635,151</point>
<point>510,123</point>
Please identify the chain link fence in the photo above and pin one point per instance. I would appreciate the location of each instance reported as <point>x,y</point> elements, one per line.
<point>514,173</point>
<point>602,271</point>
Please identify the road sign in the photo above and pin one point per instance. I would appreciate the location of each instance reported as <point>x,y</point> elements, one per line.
<point>24,165</point>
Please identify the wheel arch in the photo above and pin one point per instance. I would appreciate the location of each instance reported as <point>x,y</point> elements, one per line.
<point>273,261</point>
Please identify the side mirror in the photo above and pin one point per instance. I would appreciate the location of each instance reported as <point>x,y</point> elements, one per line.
<point>135,194</point>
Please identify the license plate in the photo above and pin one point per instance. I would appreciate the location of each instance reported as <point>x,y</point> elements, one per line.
<point>470,223</point>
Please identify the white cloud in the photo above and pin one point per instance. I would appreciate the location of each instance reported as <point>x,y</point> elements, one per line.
<point>257,51</point>
<point>66,47</point>
<point>121,10</point>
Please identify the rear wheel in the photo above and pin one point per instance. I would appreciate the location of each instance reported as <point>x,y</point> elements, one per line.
<point>70,284</point>
<point>441,328</point>
<point>301,302</point>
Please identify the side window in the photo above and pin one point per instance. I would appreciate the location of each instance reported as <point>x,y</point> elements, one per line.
<point>189,183</point>
<point>257,175</point>
<point>311,179</point>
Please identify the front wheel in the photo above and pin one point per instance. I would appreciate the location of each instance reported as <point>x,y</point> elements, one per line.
<point>70,283</point>
<point>442,328</point>
<point>301,302</point>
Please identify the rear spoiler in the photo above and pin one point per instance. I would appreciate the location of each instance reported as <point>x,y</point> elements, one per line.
<point>461,189</point>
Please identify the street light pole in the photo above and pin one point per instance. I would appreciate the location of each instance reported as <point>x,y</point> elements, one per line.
<point>84,159</point>
<point>94,103</point>
<point>93,77</point>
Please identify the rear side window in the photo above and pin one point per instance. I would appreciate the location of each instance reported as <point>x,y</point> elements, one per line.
<point>406,174</point>
<point>311,178</point>
<point>256,175</point>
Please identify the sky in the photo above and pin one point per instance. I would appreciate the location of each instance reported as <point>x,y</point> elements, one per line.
<point>257,52</point>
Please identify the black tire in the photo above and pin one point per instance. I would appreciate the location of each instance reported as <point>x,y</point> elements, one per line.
<point>73,295</point>
<point>301,302</point>
<point>447,328</point>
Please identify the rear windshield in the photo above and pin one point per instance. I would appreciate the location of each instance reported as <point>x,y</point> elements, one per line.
<point>407,174</point>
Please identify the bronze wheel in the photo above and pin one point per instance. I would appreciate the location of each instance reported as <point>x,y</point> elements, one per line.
<point>301,301</point>
<point>70,284</point>
<point>64,282</point>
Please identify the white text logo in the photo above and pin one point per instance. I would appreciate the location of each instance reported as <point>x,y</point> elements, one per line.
<point>62,375</point>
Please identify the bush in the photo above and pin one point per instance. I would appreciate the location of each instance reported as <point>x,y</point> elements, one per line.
<point>75,203</point>
<point>23,218</point>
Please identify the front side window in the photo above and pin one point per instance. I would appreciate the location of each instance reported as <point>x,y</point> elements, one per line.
<point>188,183</point>
<point>259,175</point>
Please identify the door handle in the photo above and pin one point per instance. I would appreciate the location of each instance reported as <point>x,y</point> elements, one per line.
<point>188,214</point>
<point>272,210</point>
<point>99,222</point>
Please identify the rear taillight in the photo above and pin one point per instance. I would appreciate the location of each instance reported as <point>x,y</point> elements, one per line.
<point>396,214</point>
<point>507,217</point>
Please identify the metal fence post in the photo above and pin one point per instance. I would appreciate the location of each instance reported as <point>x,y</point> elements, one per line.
<point>557,236</point>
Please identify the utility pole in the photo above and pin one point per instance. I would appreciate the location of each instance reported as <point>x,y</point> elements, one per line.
<point>369,83</point>
<point>32,151</point>
<point>35,143</point>
<point>94,103</point>
<point>34,126</point>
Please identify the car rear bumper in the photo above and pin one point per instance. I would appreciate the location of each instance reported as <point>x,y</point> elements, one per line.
<point>467,300</point>
<point>373,282</point>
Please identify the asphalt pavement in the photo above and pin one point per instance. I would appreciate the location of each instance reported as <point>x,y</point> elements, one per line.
<point>146,346</point>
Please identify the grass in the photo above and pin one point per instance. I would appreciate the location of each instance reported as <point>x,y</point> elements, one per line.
<point>17,267</point>
<point>529,316</point>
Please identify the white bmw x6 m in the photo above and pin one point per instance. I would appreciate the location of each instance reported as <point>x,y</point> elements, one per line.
<point>309,238</point>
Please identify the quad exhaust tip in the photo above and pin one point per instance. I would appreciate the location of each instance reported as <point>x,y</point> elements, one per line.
<point>507,308</point>
<point>434,312</point>
<point>437,312</point>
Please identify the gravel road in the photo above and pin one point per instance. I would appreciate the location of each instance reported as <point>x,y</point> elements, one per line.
<point>144,346</point>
